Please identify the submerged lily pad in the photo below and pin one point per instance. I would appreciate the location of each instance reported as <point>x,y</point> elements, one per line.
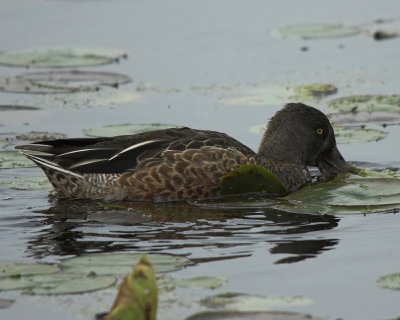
<point>367,192</point>
<point>248,302</point>
<point>281,94</point>
<point>60,57</point>
<point>5,303</point>
<point>250,178</point>
<point>366,103</point>
<point>23,269</point>
<point>201,282</point>
<point>121,129</point>
<point>390,281</point>
<point>13,159</point>
<point>14,107</point>
<point>120,263</point>
<point>358,134</point>
<point>251,315</point>
<point>58,81</point>
<point>318,31</point>
<point>26,183</point>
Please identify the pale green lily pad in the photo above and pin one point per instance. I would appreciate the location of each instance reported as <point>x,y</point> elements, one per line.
<point>122,129</point>
<point>368,192</point>
<point>13,159</point>
<point>390,281</point>
<point>26,183</point>
<point>381,117</point>
<point>358,134</point>
<point>61,81</point>
<point>366,103</point>
<point>318,31</point>
<point>248,302</point>
<point>60,57</point>
<point>281,94</point>
<point>16,283</point>
<point>201,282</point>
<point>23,269</point>
<point>251,315</point>
<point>120,263</point>
<point>250,178</point>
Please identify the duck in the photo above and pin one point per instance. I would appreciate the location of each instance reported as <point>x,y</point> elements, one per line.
<point>182,164</point>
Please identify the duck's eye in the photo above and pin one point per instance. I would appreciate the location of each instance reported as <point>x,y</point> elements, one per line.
<point>320,131</point>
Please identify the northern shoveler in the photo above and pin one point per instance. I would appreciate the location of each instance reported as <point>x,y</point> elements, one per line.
<point>183,163</point>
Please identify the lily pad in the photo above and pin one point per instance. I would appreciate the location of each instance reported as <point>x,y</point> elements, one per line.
<point>358,134</point>
<point>250,178</point>
<point>23,269</point>
<point>26,183</point>
<point>251,315</point>
<point>367,192</point>
<point>248,302</point>
<point>318,31</point>
<point>366,103</point>
<point>13,159</point>
<point>390,281</point>
<point>120,263</point>
<point>60,57</point>
<point>58,81</point>
<point>201,282</point>
<point>281,94</point>
<point>14,107</point>
<point>382,117</point>
<point>121,129</point>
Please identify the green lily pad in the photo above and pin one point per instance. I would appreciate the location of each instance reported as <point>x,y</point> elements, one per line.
<point>382,117</point>
<point>59,81</point>
<point>248,302</point>
<point>367,192</point>
<point>251,315</point>
<point>318,31</point>
<point>120,263</point>
<point>250,178</point>
<point>390,281</point>
<point>14,107</point>
<point>201,282</point>
<point>24,269</point>
<point>281,94</point>
<point>5,303</point>
<point>16,283</point>
<point>13,159</point>
<point>366,103</point>
<point>26,183</point>
<point>60,57</point>
<point>358,134</point>
<point>121,129</point>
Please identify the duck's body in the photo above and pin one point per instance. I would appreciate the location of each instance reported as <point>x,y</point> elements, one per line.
<point>183,163</point>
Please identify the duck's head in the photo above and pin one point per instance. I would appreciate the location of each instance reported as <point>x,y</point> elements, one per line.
<point>302,134</point>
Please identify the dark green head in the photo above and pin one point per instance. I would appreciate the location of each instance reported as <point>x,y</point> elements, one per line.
<point>302,134</point>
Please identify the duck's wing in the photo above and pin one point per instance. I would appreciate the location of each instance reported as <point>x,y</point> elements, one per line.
<point>122,153</point>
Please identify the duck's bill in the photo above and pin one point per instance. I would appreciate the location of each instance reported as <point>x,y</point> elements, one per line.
<point>332,163</point>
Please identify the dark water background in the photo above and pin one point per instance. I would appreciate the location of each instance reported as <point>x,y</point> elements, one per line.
<point>175,47</point>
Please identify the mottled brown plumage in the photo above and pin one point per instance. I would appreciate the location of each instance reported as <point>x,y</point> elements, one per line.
<point>183,163</point>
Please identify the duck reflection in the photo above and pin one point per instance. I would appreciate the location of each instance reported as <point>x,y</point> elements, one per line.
<point>206,232</point>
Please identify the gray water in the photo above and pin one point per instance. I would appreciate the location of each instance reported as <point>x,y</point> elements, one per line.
<point>174,47</point>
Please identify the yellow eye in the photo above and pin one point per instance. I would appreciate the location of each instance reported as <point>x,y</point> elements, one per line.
<point>320,131</point>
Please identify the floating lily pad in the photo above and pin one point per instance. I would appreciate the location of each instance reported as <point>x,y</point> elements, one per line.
<point>58,81</point>
<point>366,103</point>
<point>120,263</point>
<point>201,282</point>
<point>40,135</point>
<point>121,129</point>
<point>281,94</point>
<point>390,281</point>
<point>60,57</point>
<point>368,192</point>
<point>358,134</point>
<point>26,183</point>
<point>14,107</point>
<point>251,315</point>
<point>5,303</point>
<point>250,178</point>
<point>248,302</point>
<point>13,159</point>
<point>381,117</point>
<point>23,269</point>
<point>318,31</point>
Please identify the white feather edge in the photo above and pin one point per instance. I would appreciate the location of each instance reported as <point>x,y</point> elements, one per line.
<point>137,145</point>
<point>51,165</point>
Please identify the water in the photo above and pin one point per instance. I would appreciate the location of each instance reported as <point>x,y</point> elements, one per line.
<point>175,47</point>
